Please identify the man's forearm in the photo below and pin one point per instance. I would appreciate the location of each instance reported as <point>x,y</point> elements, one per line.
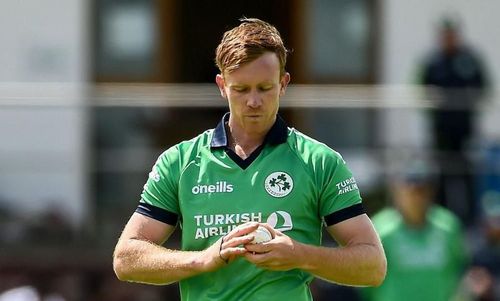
<point>142,261</point>
<point>357,265</point>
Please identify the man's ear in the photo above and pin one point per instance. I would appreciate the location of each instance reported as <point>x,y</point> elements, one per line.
<point>285,79</point>
<point>219,80</point>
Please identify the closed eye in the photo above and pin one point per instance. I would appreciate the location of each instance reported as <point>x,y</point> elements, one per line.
<point>266,88</point>
<point>240,89</point>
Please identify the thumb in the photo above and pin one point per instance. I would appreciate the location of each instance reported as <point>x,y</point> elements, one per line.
<point>278,233</point>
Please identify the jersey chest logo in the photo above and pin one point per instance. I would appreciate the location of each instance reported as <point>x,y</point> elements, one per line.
<point>278,184</point>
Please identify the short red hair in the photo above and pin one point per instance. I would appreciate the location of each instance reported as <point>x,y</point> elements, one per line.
<point>248,41</point>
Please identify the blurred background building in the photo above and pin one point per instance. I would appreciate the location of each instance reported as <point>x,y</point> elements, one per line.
<point>91,92</point>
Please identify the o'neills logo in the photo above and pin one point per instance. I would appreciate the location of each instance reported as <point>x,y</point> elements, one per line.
<point>221,186</point>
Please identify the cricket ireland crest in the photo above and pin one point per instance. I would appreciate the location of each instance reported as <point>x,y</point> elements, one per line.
<point>278,184</point>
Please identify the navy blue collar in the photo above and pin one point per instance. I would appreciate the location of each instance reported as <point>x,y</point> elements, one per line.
<point>276,135</point>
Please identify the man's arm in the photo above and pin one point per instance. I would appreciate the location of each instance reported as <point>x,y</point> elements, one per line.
<point>358,261</point>
<point>139,256</point>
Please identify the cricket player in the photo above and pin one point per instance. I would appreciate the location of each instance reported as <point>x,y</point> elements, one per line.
<point>251,170</point>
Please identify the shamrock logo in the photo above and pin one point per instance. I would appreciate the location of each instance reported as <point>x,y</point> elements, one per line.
<point>279,184</point>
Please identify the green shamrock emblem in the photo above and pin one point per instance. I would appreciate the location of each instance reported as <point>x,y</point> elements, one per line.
<point>281,182</point>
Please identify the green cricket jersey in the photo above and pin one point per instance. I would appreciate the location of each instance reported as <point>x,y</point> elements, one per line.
<point>292,182</point>
<point>422,264</point>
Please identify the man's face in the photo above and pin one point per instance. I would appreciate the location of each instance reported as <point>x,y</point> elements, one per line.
<point>412,199</point>
<point>253,92</point>
<point>449,40</point>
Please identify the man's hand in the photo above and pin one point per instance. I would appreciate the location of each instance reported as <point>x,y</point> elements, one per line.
<point>230,246</point>
<point>279,254</point>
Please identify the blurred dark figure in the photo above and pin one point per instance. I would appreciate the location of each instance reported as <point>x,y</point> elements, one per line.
<point>482,282</point>
<point>51,227</point>
<point>423,242</point>
<point>459,75</point>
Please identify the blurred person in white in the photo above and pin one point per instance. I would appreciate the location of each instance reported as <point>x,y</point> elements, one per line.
<point>456,70</point>
<point>423,241</point>
<point>482,282</point>
<point>22,293</point>
<point>38,285</point>
<point>27,293</point>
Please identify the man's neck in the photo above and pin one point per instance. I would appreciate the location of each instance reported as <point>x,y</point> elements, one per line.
<point>242,142</point>
<point>415,221</point>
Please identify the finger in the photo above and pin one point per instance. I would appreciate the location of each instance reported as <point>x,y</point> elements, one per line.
<point>242,229</point>
<point>258,248</point>
<point>263,261</point>
<point>278,233</point>
<point>236,241</point>
<point>256,258</point>
<point>231,253</point>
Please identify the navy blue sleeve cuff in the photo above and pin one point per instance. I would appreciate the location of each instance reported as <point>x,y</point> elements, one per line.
<point>344,214</point>
<point>157,213</point>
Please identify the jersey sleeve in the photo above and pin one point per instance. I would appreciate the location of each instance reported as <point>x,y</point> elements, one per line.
<point>339,196</point>
<point>159,198</point>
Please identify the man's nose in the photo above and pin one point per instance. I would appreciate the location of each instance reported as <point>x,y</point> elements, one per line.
<point>254,100</point>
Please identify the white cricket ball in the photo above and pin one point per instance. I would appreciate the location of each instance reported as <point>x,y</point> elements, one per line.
<point>261,235</point>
